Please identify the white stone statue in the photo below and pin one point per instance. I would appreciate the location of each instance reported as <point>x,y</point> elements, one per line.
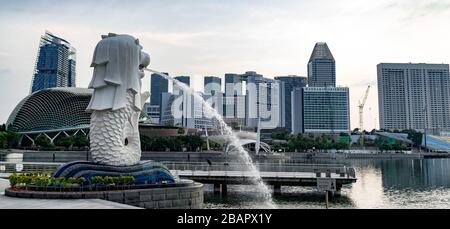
<point>117,100</point>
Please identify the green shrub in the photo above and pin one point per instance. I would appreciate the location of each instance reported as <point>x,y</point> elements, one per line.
<point>13,180</point>
<point>43,180</point>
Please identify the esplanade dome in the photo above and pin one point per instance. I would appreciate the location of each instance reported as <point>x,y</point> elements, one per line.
<point>52,109</point>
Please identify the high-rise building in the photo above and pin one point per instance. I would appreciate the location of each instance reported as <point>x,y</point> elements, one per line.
<point>297,110</point>
<point>262,100</point>
<point>323,110</point>
<point>212,85</point>
<point>321,67</point>
<point>182,100</point>
<point>213,92</point>
<point>166,116</point>
<point>184,111</point>
<point>55,64</point>
<point>287,85</point>
<point>234,100</point>
<point>233,84</point>
<point>414,96</point>
<point>158,86</point>
<point>183,79</point>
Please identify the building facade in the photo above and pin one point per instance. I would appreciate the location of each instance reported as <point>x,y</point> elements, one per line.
<point>287,85</point>
<point>323,110</point>
<point>297,110</point>
<point>158,86</point>
<point>234,100</point>
<point>55,64</point>
<point>262,101</point>
<point>414,96</point>
<point>321,67</point>
<point>212,85</point>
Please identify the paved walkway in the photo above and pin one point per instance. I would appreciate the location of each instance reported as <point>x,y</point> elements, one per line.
<point>23,203</point>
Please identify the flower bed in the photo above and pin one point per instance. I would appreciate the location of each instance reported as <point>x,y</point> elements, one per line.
<point>44,182</point>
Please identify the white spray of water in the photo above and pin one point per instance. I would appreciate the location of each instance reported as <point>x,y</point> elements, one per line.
<point>226,130</point>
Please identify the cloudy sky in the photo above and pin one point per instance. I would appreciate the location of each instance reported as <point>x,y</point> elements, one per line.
<point>200,38</point>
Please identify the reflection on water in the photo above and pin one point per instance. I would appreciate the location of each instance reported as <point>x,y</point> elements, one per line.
<point>369,182</point>
<point>382,183</point>
<point>240,196</point>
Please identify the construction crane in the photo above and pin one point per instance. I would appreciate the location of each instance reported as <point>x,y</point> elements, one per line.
<point>361,111</point>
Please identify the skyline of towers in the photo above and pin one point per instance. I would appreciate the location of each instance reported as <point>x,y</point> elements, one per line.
<point>55,64</point>
<point>250,97</point>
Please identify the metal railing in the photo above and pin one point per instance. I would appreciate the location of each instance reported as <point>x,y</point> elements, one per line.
<point>262,167</point>
<point>27,167</point>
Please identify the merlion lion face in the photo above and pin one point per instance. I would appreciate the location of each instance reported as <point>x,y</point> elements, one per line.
<point>144,60</point>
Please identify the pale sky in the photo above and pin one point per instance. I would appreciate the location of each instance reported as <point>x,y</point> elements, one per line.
<point>199,38</point>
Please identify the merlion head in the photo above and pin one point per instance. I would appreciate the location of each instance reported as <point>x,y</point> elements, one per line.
<point>118,62</point>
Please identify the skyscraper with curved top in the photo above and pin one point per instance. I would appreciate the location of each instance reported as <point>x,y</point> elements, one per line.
<point>321,67</point>
<point>55,64</point>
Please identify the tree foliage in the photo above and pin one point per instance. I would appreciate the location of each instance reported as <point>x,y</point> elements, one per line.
<point>43,141</point>
<point>66,141</point>
<point>280,135</point>
<point>192,142</point>
<point>8,139</point>
<point>415,137</point>
<point>80,141</point>
<point>304,142</point>
<point>234,125</point>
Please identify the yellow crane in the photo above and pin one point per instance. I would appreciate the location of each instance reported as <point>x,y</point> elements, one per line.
<point>361,111</point>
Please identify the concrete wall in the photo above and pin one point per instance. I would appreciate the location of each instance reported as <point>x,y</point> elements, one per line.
<point>180,197</point>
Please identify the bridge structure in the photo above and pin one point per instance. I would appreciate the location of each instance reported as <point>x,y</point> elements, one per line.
<point>274,174</point>
<point>222,174</point>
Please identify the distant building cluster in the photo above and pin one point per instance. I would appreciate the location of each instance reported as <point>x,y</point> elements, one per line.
<point>410,96</point>
<point>293,103</point>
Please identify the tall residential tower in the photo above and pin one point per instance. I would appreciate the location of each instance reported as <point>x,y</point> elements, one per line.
<point>414,96</point>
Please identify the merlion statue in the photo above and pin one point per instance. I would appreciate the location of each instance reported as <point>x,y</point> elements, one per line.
<point>117,100</point>
<point>115,105</point>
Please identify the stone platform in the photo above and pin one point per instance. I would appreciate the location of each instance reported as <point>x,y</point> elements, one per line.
<point>22,203</point>
<point>184,194</point>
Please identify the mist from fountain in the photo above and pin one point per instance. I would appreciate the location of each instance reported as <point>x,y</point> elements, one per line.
<point>226,130</point>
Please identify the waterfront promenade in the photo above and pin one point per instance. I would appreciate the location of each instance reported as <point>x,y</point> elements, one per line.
<point>26,203</point>
<point>223,174</point>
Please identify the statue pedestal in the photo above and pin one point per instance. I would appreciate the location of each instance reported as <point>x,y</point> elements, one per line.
<point>145,172</point>
<point>184,194</point>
